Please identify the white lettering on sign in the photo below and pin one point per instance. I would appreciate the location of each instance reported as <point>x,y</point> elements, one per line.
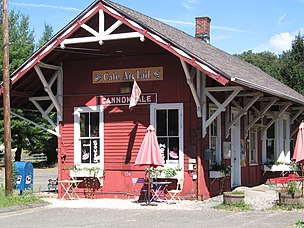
<point>127,75</point>
<point>146,98</point>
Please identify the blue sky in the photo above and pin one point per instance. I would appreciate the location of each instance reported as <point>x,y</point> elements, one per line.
<point>236,25</point>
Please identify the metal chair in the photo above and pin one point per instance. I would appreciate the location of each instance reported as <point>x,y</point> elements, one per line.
<point>174,193</point>
<point>139,188</point>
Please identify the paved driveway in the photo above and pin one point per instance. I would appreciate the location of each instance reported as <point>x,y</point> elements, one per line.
<point>51,216</point>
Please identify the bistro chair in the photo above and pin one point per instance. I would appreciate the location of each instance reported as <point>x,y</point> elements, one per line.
<point>174,193</point>
<point>139,188</point>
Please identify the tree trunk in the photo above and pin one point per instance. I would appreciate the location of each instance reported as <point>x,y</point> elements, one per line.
<point>18,154</point>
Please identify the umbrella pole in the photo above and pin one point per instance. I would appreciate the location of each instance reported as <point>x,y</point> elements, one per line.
<point>149,187</point>
<point>302,176</point>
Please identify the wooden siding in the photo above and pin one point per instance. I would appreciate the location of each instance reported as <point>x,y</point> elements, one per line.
<point>123,135</point>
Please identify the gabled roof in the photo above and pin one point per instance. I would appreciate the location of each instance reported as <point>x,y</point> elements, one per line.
<point>216,63</point>
<point>232,67</point>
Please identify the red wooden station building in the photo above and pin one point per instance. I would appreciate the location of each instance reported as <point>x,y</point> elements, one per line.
<point>207,106</point>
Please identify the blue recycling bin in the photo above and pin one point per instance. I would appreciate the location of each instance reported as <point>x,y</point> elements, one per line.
<point>25,177</point>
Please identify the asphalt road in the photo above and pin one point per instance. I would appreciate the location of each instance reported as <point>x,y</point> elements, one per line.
<point>96,217</point>
<point>51,216</point>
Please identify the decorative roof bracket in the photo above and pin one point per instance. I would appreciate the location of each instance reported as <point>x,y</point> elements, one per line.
<point>276,117</point>
<point>192,88</point>
<point>56,100</point>
<point>102,35</point>
<point>260,114</point>
<point>221,107</point>
<point>243,111</point>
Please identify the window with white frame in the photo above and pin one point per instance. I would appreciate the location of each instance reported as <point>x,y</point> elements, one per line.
<point>167,119</point>
<point>88,132</point>
<point>215,137</point>
<point>252,145</point>
<point>270,143</point>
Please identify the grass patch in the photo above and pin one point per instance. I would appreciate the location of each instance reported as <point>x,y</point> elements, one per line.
<point>288,207</point>
<point>15,199</point>
<point>240,206</point>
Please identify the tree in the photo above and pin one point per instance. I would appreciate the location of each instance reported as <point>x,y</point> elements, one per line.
<point>266,61</point>
<point>46,36</point>
<point>292,69</point>
<point>24,135</point>
<point>21,40</point>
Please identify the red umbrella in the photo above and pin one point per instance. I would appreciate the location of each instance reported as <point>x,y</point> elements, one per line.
<point>298,154</point>
<point>149,153</point>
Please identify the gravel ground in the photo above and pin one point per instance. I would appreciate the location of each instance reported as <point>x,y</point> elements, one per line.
<point>260,197</point>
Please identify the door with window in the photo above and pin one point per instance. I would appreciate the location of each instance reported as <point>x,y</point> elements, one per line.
<point>168,122</point>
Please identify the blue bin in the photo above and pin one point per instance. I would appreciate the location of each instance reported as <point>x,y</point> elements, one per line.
<point>25,177</point>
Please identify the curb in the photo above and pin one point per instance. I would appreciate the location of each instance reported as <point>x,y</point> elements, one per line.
<point>22,207</point>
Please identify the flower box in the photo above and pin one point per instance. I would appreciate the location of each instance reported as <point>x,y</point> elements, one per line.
<point>277,168</point>
<point>216,174</point>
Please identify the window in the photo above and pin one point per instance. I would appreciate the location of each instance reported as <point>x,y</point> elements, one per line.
<point>276,141</point>
<point>167,119</point>
<point>88,141</point>
<point>214,138</point>
<point>252,145</point>
<point>89,137</point>
<point>252,142</point>
<point>270,143</point>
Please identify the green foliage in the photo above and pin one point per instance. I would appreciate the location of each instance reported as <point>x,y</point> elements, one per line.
<point>288,207</point>
<point>292,187</point>
<point>239,206</point>
<point>266,61</point>
<point>237,192</point>
<point>299,224</point>
<point>46,36</point>
<point>21,40</point>
<point>221,167</point>
<point>168,172</point>
<point>16,199</point>
<point>287,68</point>
<point>25,136</point>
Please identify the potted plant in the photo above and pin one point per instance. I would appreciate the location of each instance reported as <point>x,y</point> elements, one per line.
<point>233,197</point>
<point>291,194</point>
<point>219,170</point>
<point>160,172</point>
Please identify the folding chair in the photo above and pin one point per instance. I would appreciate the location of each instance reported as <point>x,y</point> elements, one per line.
<point>139,188</point>
<point>174,193</point>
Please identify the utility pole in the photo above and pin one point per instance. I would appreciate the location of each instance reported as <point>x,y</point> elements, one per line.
<point>6,101</point>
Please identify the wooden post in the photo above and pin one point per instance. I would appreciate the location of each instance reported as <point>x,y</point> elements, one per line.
<point>199,166</point>
<point>6,101</point>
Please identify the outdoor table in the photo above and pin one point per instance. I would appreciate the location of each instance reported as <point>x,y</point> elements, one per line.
<point>69,187</point>
<point>158,189</point>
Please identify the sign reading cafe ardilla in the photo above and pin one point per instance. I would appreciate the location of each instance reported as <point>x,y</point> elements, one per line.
<point>126,75</point>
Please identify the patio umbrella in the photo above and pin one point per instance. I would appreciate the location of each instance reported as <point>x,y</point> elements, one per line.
<point>149,154</point>
<point>298,154</point>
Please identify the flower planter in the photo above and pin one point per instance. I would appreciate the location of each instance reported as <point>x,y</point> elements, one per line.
<point>216,174</point>
<point>232,198</point>
<point>277,168</point>
<point>290,199</point>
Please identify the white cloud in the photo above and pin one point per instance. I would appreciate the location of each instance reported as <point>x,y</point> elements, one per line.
<point>281,41</point>
<point>189,4</point>
<point>45,6</point>
<point>192,24</point>
<point>281,18</point>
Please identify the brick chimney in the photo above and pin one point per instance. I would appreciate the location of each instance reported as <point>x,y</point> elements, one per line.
<point>202,28</point>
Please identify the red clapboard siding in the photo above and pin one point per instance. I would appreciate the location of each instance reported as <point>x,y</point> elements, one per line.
<point>124,132</point>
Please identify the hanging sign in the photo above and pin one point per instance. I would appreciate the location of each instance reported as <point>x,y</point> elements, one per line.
<point>127,75</point>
